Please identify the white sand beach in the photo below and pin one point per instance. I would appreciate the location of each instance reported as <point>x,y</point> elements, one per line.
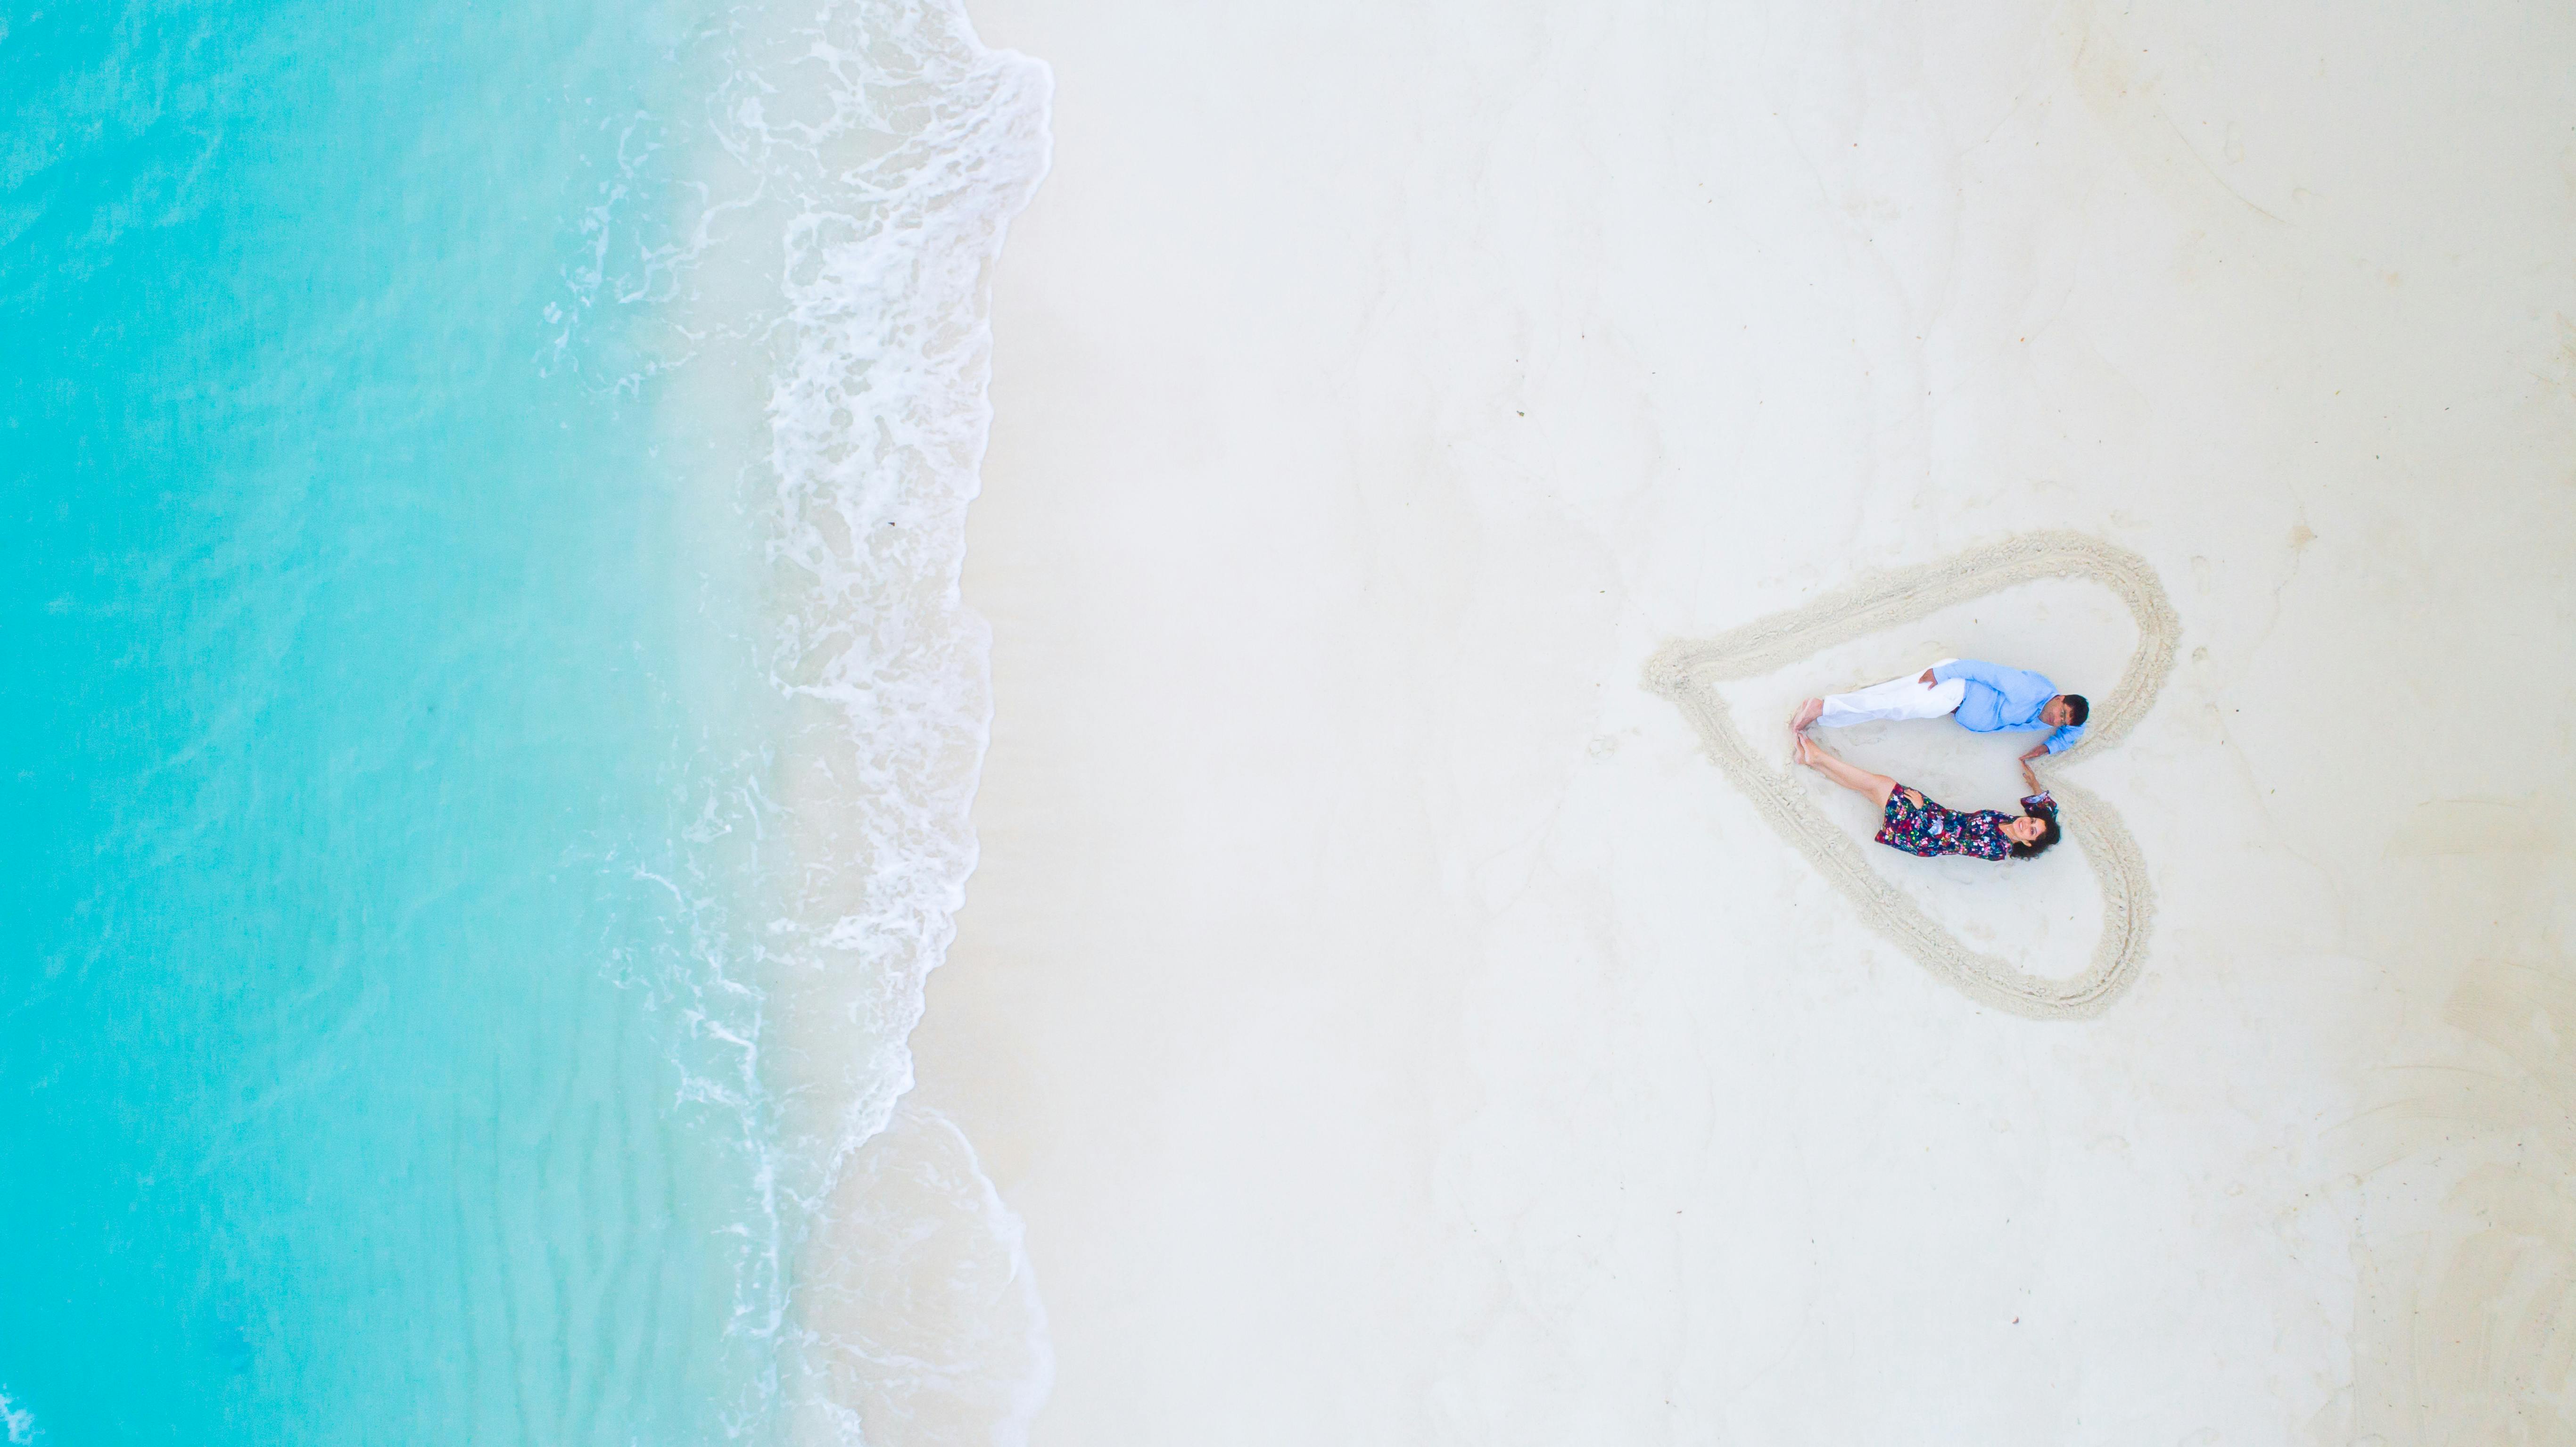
<point>1393,1026</point>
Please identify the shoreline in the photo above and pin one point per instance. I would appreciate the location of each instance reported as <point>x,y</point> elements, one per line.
<point>831,247</point>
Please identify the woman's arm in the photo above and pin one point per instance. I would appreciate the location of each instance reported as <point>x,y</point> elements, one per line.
<point>2030,776</point>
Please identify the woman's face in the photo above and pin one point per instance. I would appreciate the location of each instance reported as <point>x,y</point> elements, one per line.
<point>2025,829</point>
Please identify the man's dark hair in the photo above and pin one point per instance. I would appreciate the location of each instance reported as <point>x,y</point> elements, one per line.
<point>2047,836</point>
<point>2077,710</point>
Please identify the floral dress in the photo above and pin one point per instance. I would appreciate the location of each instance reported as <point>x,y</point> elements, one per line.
<point>1917,825</point>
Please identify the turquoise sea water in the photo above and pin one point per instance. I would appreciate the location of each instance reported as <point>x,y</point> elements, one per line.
<point>484,804</point>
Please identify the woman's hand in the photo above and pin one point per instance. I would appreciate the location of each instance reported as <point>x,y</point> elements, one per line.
<point>2030,776</point>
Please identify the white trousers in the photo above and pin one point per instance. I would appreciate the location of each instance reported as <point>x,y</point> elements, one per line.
<point>1898,698</point>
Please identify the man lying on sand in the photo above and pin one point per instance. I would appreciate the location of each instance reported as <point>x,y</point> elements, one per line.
<point>1913,823</point>
<point>1985,697</point>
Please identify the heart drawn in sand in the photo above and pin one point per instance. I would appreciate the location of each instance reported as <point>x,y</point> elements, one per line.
<point>1688,673</point>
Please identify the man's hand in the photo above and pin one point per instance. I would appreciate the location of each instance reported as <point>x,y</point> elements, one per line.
<point>1927,680</point>
<point>2034,753</point>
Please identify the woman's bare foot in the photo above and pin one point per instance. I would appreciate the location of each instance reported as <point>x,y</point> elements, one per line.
<point>1806,751</point>
<point>1808,712</point>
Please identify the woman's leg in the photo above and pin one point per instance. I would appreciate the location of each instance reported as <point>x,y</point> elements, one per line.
<point>1875,787</point>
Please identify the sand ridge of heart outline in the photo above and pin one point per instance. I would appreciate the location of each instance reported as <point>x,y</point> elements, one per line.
<point>1687,672</point>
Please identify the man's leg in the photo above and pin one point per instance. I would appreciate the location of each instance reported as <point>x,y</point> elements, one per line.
<point>1898,698</point>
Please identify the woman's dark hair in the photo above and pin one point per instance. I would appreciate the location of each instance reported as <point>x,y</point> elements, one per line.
<point>2047,836</point>
<point>2077,710</point>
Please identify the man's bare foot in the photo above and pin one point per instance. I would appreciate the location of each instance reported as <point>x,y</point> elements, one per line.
<point>1808,712</point>
<point>1805,751</point>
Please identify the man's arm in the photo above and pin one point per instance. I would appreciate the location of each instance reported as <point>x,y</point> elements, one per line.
<point>1971,669</point>
<point>2036,750</point>
<point>2059,740</point>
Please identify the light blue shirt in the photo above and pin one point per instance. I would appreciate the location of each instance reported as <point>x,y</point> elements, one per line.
<point>2005,700</point>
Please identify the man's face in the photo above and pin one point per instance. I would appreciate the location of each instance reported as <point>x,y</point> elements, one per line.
<point>2055,713</point>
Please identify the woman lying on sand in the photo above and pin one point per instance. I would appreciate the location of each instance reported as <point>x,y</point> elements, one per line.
<point>1918,826</point>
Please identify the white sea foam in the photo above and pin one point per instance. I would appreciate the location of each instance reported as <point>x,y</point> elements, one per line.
<point>811,293</point>
<point>17,1421</point>
<point>922,1325</point>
